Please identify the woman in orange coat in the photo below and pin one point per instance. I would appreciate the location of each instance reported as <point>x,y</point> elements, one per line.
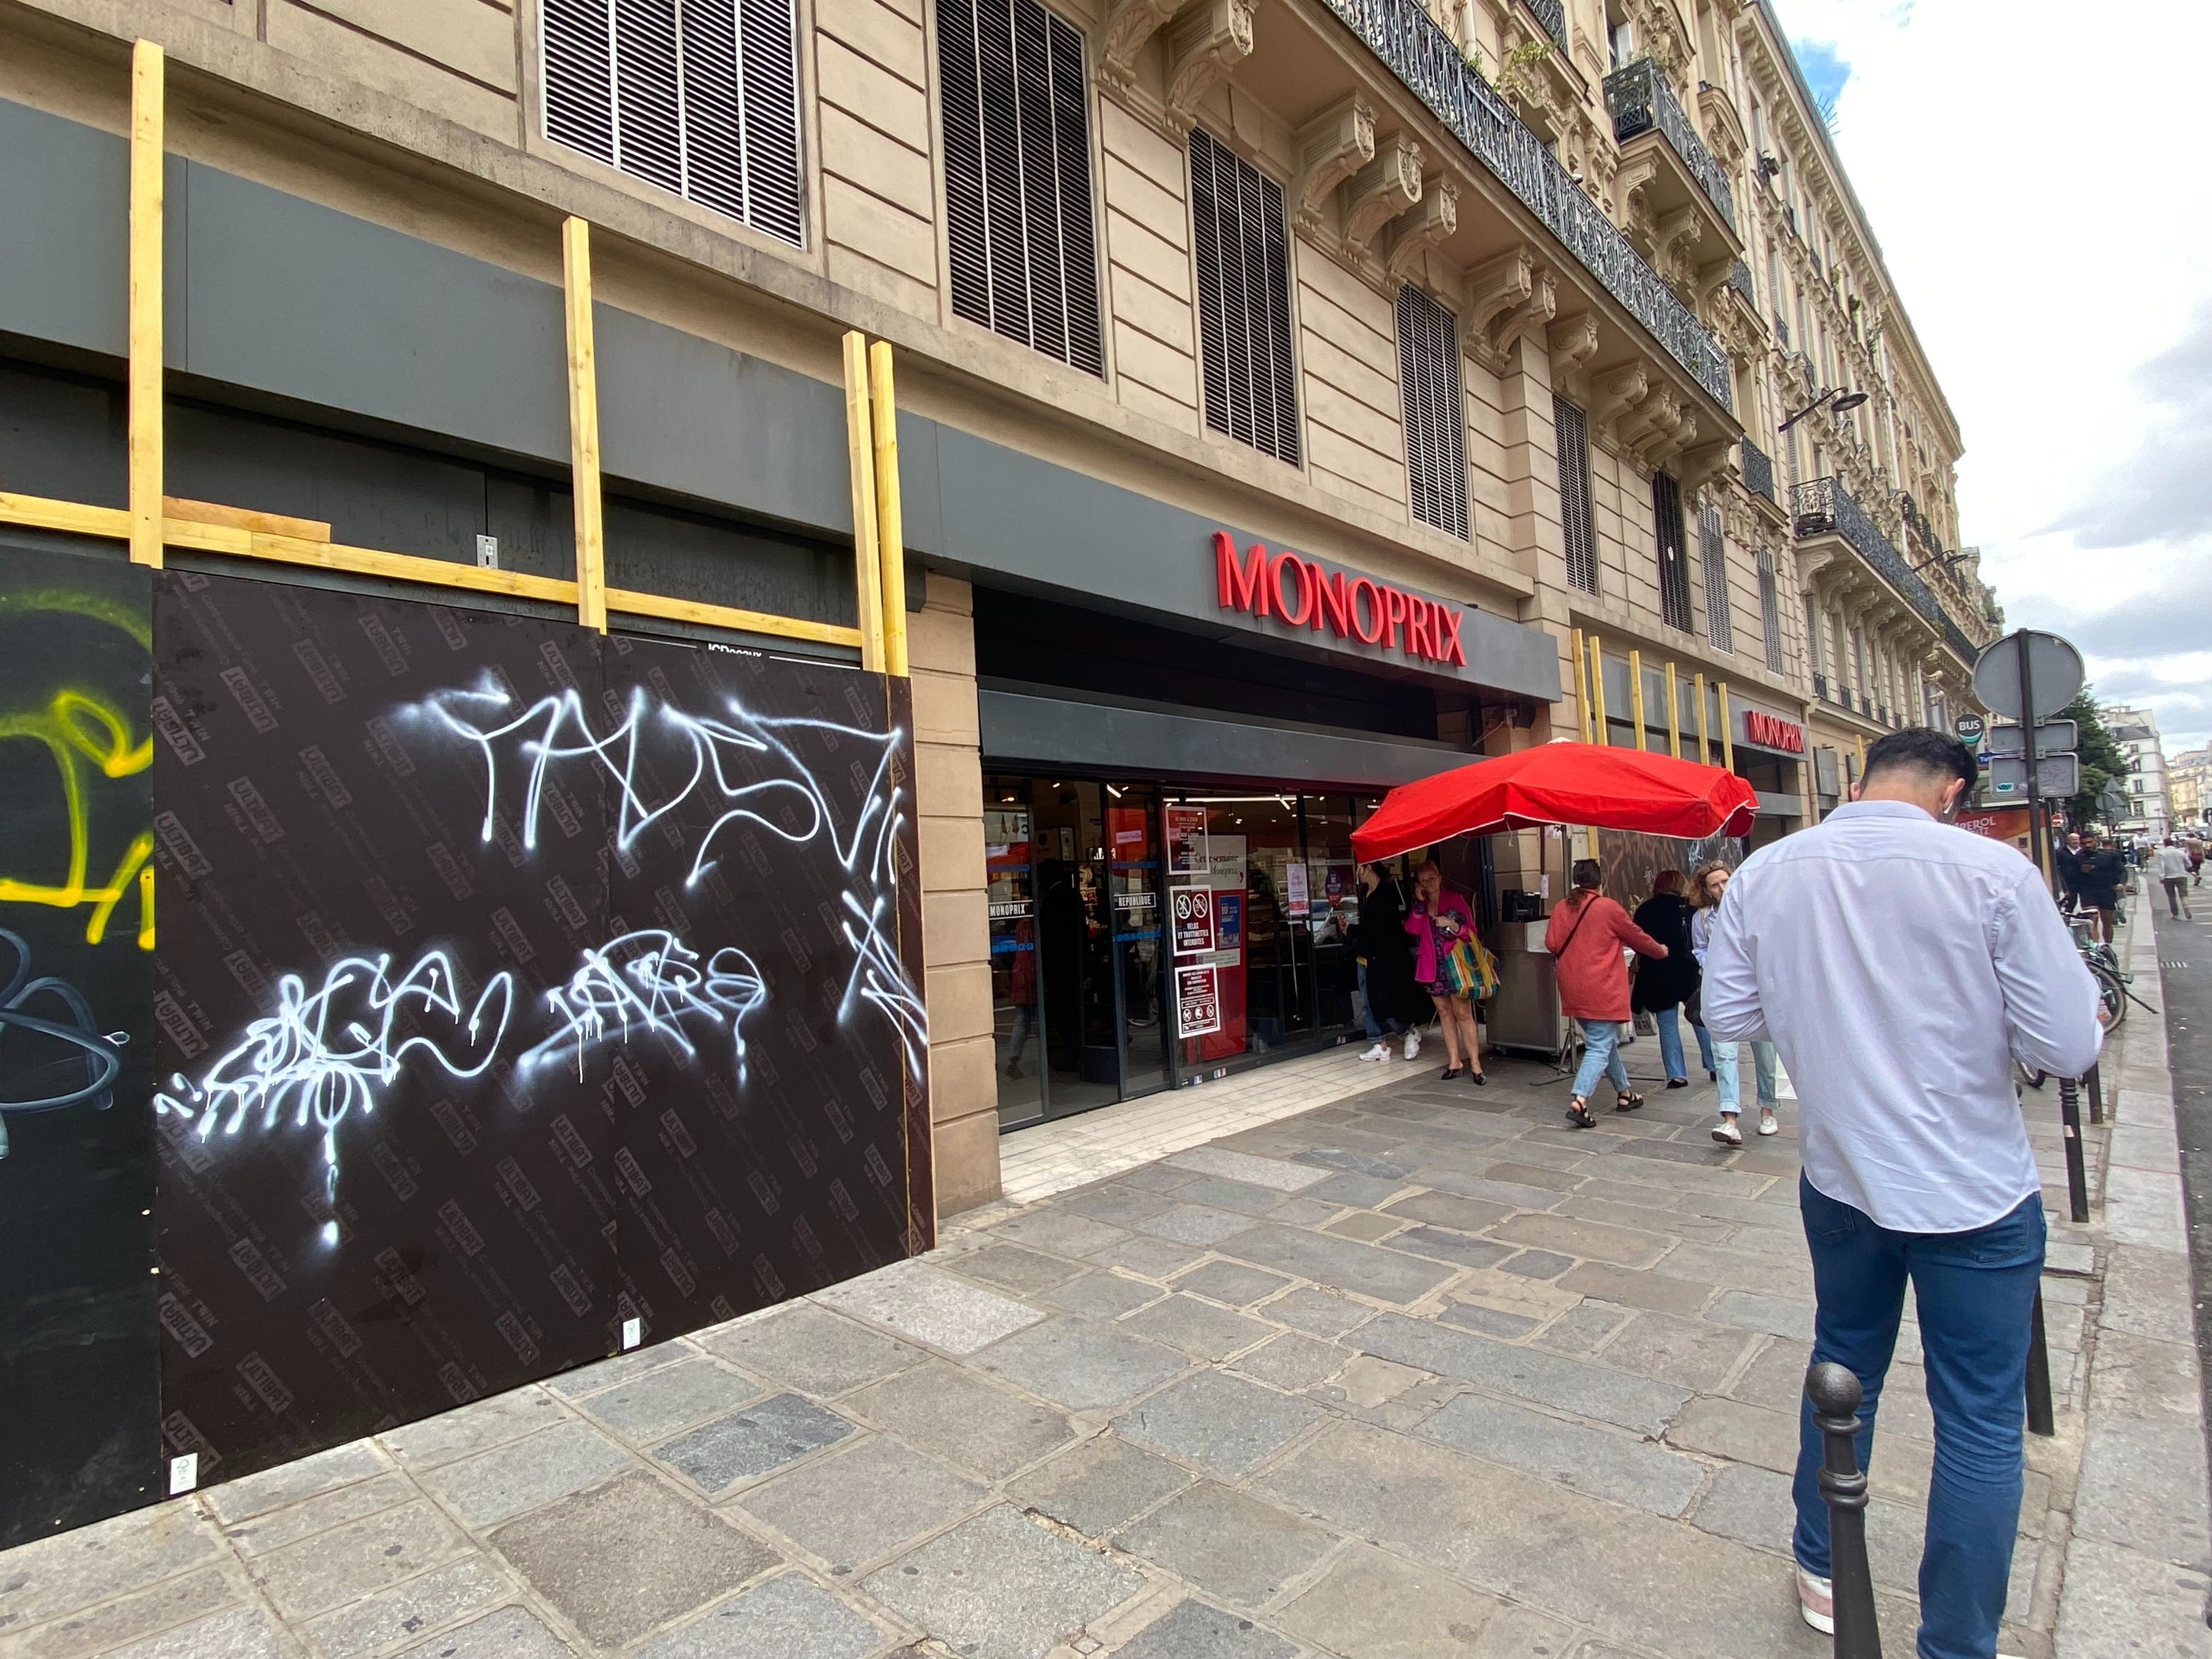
<point>1584,936</point>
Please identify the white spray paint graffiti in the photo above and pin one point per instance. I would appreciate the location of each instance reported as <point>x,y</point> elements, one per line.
<point>653,981</point>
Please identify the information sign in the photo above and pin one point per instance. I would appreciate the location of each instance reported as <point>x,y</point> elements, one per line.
<point>1193,907</point>
<point>1198,1002</point>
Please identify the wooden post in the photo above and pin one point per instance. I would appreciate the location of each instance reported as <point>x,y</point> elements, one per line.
<point>1674,715</point>
<point>145,442</point>
<point>859,454</point>
<point>1636,695</point>
<point>584,426</point>
<point>1704,744</point>
<point>1601,735</point>
<point>891,529</point>
<point>1582,688</point>
<point>1728,728</point>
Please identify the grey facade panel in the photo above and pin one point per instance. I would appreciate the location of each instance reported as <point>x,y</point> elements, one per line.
<point>1020,728</point>
<point>64,196</point>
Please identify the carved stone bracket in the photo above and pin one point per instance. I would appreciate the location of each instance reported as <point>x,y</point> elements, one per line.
<point>1507,298</point>
<point>1332,147</point>
<point>1613,395</point>
<point>1381,191</point>
<point>1129,24</point>
<point>1428,224</point>
<point>1204,42</point>
<point>1700,464</point>
<point>1573,341</point>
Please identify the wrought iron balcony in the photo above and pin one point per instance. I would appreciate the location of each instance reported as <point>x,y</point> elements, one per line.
<point>1822,507</point>
<point>1757,471</point>
<point>1740,280</point>
<point>1821,686</point>
<point>1553,14</point>
<point>1418,51</point>
<point>1640,100</point>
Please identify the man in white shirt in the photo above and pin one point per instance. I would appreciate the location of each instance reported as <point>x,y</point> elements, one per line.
<point>1900,965</point>
<point>2170,865</point>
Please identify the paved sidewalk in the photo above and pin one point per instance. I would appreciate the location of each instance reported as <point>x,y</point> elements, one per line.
<point>1420,1372</point>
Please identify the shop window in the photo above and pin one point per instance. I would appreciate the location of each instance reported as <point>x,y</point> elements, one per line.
<point>1018,218</point>
<point>1243,299</point>
<point>1575,520</point>
<point>1673,560</point>
<point>1712,570</point>
<point>701,99</point>
<point>1436,416</point>
<point>1770,607</point>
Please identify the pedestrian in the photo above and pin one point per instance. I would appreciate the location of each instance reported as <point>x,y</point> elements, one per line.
<point>2098,876</point>
<point>1447,964</point>
<point>2065,862</point>
<point>2197,860</point>
<point>1584,935</point>
<point>1664,983</point>
<point>1902,967</point>
<point>1386,963</point>
<point>2171,865</point>
<point>1707,886</point>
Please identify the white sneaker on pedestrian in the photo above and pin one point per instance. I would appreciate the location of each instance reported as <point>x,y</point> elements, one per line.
<point>1816,1601</point>
<point>1412,1044</point>
<point>1378,1052</point>
<point>1767,1125</point>
<point>1726,1132</point>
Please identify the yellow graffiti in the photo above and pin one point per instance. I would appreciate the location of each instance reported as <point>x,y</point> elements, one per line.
<point>86,736</point>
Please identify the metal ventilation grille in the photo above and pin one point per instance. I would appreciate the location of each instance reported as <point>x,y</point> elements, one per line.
<point>1575,518</point>
<point>1770,607</point>
<point>1435,418</point>
<point>1243,299</point>
<point>1024,257</point>
<point>700,97</point>
<point>1673,560</point>
<point>1712,569</point>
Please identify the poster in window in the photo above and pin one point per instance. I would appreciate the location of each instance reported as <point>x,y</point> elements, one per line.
<point>1198,1002</point>
<point>1193,920</point>
<point>1297,903</point>
<point>1186,835</point>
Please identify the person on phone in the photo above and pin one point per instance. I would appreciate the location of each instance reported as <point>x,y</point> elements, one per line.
<point>1664,984</point>
<point>1440,917</point>
<point>2099,874</point>
<point>1902,966</point>
<point>1584,935</point>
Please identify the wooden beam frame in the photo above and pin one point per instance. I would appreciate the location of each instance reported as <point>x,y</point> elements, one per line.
<point>891,525</point>
<point>584,425</point>
<point>1582,688</point>
<point>1604,737</point>
<point>147,77</point>
<point>1635,697</point>
<point>861,458</point>
<point>1674,715</point>
<point>1728,728</point>
<point>1704,742</point>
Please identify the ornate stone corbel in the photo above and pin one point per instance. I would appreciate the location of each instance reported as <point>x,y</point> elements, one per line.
<point>1332,147</point>
<point>1524,321</point>
<point>1429,223</point>
<point>1129,24</point>
<point>1382,190</point>
<point>1495,290</point>
<point>1204,44</point>
<point>1700,464</point>
<point>1668,438</point>
<point>1573,341</point>
<point>1659,413</point>
<point>1615,394</point>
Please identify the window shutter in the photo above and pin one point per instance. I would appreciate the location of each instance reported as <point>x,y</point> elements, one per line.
<point>1712,570</point>
<point>1024,252</point>
<point>1674,560</point>
<point>700,97</point>
<point>1243,299</point>
<point>1436,416</point>
<point>1573,439</point>
<point>1770,607</point>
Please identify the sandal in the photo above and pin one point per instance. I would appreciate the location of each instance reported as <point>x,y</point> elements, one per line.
<point>1578,1113</point>
<point>1678,1083</point>
<point>1450,1072</point>
<point>1479,1079</point>
<point>1629,1104</point>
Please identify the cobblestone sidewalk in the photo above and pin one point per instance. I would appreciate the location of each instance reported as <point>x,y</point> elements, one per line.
<point>1422,1372</point>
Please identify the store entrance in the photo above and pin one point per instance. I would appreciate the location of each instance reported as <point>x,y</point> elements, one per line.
<point>1098,996</point>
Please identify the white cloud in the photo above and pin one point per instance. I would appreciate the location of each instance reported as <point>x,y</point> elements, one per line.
<point>2029,171</point>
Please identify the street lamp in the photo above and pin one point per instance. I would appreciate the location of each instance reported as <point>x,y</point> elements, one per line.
<point>1943,558</point>
<point>1845,402</point>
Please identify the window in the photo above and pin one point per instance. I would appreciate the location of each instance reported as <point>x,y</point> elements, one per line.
<point>1816,663</point>
<point>1575,518</point>
<point>1435,418</point>
<point>1018,225</point>
<point>1243,299</point>
<point>702,99</point>
<point>1712,570</point>
<point>1673,560</point>
<point>1770,607</point>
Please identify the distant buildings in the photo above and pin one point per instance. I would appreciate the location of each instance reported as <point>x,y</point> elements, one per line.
<point>2150,806</point>
<point>2188,785</point>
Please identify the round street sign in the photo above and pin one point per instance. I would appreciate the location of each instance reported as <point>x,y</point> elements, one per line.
<point>2054,664</point>
<point>1969,727</point>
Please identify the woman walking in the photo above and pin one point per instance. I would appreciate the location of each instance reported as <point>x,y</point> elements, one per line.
<point>1706,887</point>
<point>1665,983</point>
<point>1584,936</point>
<point>1386,963</point>
<point>1442,923</point>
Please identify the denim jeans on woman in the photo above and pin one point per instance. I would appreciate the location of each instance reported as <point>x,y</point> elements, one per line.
<point>1600,1057</point>
<point>1367,1011</point>
<point>1724,1059</point>
<point>1974,1292</point>
<point>1669,1022</point>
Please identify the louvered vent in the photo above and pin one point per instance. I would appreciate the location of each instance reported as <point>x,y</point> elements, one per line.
<point>1712,570</point>
<point>1770,607</point>
<point>1575,520</point>
<point>1673,560</point>
<point>1436,419</point>
<point>1243,299</point>
<point>700,97</point>
<point>1018,176</point>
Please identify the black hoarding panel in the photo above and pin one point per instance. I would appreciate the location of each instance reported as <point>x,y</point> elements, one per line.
<point>77,1292</point>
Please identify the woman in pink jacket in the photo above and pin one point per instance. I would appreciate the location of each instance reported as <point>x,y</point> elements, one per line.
<point>1584,936</point>
<point>1439,916</point>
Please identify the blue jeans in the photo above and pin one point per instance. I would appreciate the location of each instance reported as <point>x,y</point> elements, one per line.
<point>1724,1056</point>
<point>1976,1293</point>
<point>1600,1057</point>
<point>1367,1011</point>
<point>1669,1022</point>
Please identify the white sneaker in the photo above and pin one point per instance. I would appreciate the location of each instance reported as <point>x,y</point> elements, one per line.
<point>1816,1601</point>
<point>1412,1044</point>
<point>1767,1125</point>
<point>1378,1052</point>
<point>1726,1132</point>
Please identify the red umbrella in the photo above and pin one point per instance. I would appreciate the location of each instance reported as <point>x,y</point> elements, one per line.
<point>1561,783</point>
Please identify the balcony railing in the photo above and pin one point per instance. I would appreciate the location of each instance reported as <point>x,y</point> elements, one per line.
<point>1418,52</point>
<point>1740,280</point>
<point>1640,100</point>
<point>1757,471</point>
<point>1822,507</point>
<point>1553,14</point>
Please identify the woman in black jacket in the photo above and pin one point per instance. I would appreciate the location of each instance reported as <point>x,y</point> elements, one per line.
<point>1386,962</point>
<point>1663,986</point>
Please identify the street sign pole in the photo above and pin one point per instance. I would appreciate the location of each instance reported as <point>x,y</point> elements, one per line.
<point>2037,840</point>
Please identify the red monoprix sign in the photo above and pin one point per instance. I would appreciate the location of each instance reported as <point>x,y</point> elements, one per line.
<point>1304,595</point>
<point>1766,730</point>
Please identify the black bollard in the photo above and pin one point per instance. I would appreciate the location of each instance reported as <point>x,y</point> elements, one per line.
<point>2095,1079</point>
<point>1835,1393</point>
<point>2069,1125</point>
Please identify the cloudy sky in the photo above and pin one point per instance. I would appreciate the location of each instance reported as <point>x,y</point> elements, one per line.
<point>2032,169</point>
